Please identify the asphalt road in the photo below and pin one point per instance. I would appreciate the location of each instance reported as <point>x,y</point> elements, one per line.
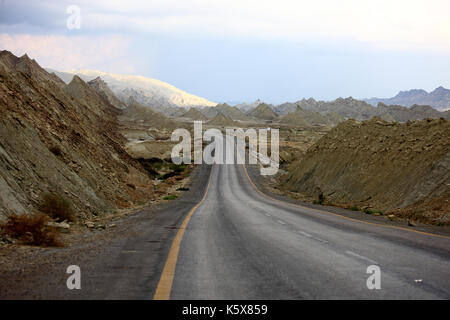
<point>236,243</point>
<point>242,245</point>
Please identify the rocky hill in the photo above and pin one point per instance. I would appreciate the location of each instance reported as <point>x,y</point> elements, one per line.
<point>222,120</point>
<point>209,112</point>
<point>380,164</point>
<point>137,113</point>
<point>285,108</point>
<point>63,140</point>
<point>195,115</point>
<point>102,88</point>
<point>231,112</point>
<point>263,112</point>
<point>246,107</point>
<point>303,118</point>
<point>348,108</point>
<point>227,110</point>
<point>171,112</point>
<point>438,98</point>
<point>403,114</point>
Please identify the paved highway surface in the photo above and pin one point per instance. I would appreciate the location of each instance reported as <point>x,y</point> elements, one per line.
<point>232,242</point>
<point>241,244</point>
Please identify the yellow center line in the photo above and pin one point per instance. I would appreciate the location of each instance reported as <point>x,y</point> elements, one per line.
<point>165,282</point>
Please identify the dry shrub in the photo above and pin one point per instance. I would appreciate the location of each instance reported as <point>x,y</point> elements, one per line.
<point>57,207</point>
<point>31,229</point>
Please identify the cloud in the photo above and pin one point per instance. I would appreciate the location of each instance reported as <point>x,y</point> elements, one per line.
<point>72,52</point>
<point>405,25</point>
<point>412,25</point>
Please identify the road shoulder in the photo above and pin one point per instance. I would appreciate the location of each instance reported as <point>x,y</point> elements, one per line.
<point>261,182</point>
<point>103,254</point>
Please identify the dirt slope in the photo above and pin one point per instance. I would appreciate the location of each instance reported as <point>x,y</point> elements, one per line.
<point>63,140</point>
<point>380,164</point>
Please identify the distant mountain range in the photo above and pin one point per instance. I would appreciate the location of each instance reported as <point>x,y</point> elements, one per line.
<point>360,110</point>
<point>438,98</point>
<point>146,91</point>
<point>340,109</point>
<point>165,98</point>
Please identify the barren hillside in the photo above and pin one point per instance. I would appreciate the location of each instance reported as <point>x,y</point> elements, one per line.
<point>222,120</point>
<point>263,112</point>
<point>137,113</point>
<point>63,140</point>
<point>195,115</point>
<point>301,117</point>
<point>102,88</point>
<point>350,108</point>
<point>380,164</point>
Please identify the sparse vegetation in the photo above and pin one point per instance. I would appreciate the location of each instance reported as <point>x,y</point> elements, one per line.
<point>57,208</point>
<point>31,229</point>
<point>371,211</point>
<point>177,167</point>
<point>170,197</point>
<point>320,199</point>
<point>149,165</point>
<point>168,175</point>
<point>157,165</point>
<point>153,167</point>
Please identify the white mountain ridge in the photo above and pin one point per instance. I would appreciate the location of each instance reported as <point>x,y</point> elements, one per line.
<point>144,90</point>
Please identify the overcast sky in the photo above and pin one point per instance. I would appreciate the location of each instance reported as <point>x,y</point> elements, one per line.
<point>226,50</point>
